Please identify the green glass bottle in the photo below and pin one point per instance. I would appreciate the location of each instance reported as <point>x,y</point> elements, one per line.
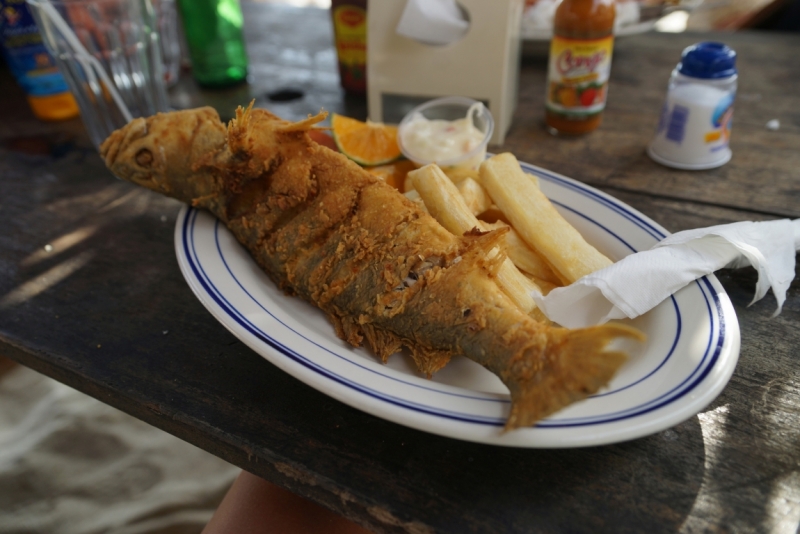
<point>213,30</point>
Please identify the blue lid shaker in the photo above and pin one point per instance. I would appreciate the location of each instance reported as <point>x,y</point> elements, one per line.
<point>694,129</point>
<point>709,60</point>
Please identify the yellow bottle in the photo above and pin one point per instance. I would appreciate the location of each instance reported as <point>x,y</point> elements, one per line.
<point>32,66</point>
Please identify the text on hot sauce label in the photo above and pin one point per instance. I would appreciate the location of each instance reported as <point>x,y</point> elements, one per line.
<point>578,75</point>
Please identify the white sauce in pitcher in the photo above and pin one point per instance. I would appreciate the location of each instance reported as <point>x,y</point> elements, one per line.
<point>440,140</point>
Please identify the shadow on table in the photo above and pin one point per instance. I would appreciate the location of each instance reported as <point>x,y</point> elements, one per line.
<point>750,432</point>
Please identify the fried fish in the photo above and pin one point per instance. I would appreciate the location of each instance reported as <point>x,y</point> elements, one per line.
<point>384,271</point>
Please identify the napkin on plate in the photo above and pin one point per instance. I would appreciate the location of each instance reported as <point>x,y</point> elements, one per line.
<point>639,282</point>
<point>437,22</point>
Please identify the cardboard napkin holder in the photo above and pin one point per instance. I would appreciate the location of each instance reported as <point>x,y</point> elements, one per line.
<point>484,64</point>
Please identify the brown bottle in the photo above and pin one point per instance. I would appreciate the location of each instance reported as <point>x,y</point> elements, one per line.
<point>350,36</point>
<point>580,63</point>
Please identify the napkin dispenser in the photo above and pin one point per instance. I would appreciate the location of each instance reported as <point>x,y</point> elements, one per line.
<point>483,64</point>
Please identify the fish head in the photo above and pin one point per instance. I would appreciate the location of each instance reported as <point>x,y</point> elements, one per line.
<point>127,153</point>
<point>162,152</point>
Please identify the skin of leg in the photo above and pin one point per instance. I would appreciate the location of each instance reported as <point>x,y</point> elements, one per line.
<point>255,506</point>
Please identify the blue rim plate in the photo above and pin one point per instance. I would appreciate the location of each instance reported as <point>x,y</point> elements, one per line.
<point>691,351</point>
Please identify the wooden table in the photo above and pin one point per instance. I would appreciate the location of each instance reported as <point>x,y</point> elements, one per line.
<point>105,309</point>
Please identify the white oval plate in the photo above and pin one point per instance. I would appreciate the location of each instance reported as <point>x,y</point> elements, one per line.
<point>691,350</point>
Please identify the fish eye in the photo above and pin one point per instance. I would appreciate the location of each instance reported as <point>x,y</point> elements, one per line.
<point>144,158</point>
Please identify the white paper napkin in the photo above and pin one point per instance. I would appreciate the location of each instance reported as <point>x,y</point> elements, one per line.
<point>639,282</point>
<point>437,22</point>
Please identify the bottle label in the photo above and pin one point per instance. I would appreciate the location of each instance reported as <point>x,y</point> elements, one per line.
<point>695,126</point>
<point>350,31</point>
<point>25,53</point>
<point>577,78</point>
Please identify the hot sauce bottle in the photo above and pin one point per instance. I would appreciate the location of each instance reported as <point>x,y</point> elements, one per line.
<point>579,67</point>
<point>350,36</point>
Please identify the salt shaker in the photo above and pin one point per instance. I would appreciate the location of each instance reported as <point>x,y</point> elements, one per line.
<point>695,126</point>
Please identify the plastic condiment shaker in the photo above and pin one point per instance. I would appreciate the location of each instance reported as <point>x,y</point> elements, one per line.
<point>695,126</point>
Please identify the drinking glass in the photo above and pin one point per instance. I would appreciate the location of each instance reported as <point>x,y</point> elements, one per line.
<point>109,53</point>
<point>168,28</point>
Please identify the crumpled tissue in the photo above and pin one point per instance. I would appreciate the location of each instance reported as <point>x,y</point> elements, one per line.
<point>639,282</point>
<point>436,22</point>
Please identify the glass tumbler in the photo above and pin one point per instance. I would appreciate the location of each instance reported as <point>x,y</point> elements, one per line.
<point>109,53</point>
<point>168,28</point>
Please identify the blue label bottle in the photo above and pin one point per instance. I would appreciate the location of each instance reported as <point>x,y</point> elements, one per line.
<point>32,65</point>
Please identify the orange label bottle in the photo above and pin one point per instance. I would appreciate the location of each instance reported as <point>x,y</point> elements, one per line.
<point>579,67</point>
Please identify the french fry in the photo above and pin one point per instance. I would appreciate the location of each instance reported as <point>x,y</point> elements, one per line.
<point>544,285</point>
<point>537,221</point>
<point>492,215</point>
<point>475,196</point>
<point>408,185</point>
<point>413,196</point>
<point>524,257</point>
<point>445,204</point>
<point>458,174</point>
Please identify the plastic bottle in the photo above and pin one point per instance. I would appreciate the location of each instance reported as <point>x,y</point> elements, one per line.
<point>32,65</point>
<point>695,126</point>
<point>213,30</point>
<point>579,67</point>
<point>350,34</point>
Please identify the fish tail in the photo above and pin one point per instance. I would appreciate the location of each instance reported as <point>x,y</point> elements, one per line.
<point>577,366</point>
